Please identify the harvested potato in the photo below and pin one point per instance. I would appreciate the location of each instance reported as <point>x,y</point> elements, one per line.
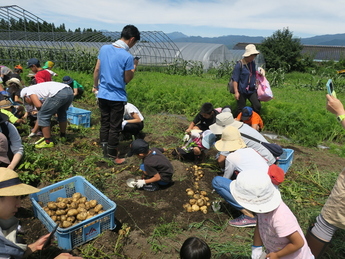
<point>72,212</point>
<point>60,212</point>
<point>101,211</point>
<point>203,193</point>
<point>200,202</point>
<point>53,217</point>
<point>93,203</point>
<point>61,205</point>
<point>82,216</point>
<point>76,195</point>
<point>190,193</point>
<point>81,205</point>
<point>195,207</point>
<point>196,196</point>
<point>188,189</point>
<point>98,208</point>
<point>59,199</point>
<point>73,205</point>
<point>82,200</point>
<point>81,209</point>
<point>63,217</point>
<point>66,224</point>
<point>192,201</point>
<point>91,212</point>
<point>52,205</point>
<point>70,218</point>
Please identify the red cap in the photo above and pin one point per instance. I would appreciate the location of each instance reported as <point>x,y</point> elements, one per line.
<point>276,173</point>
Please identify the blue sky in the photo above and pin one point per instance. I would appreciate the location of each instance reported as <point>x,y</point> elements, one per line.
<point>206,18</point>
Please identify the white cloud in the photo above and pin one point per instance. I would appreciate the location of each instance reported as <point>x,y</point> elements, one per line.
<point>206,17</point>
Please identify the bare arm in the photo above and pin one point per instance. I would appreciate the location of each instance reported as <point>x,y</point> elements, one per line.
<point>296,242</point>
<point>96,73</point>
<point>257,238</point>
<point>237,93</point>
<point>35,101</point>
<point>153,179</point>
<point>191,126</point>
<point>136,118</point>
<point>335,106</point>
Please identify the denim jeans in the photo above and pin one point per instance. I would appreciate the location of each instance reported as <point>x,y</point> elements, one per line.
<point>111,121</point>
<point>222,187</point>
<point>57,104</point>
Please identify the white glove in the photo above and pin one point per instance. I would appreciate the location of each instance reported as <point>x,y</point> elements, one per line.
<point>124,124</point>
<point>261,71</point>
<point>186,137</point>
<point>256,252</point>
<point>195,134</point>
<point>140,183</point>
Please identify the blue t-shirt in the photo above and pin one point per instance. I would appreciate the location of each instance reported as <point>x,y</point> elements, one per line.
<point>245,77</point>
<point>114,63</point>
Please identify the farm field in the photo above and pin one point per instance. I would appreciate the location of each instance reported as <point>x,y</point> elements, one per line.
<point>155,224</point>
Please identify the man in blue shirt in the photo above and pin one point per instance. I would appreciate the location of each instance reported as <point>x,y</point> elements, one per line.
<point>114,69</point>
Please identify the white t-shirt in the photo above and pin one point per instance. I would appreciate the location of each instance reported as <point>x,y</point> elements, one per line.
<point>129,109</point>
<point>244,159</point>
<point>275,226</point>
<point>45,90</point>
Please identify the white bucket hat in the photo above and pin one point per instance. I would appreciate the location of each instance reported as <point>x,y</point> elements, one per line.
<point>254,191</point>
<point>14,80</point>
<point>223,120</point>
<point>208,139</point>
<point>231,140</point>
<point>250,50</point>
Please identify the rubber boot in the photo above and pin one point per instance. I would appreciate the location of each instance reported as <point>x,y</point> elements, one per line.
<point>316,245</point>
<point>104,146</point>
<point>113,154</point>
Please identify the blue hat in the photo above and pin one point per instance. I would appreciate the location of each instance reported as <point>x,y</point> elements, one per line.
<point>33,61</point>
<point>247,112</point>
<point>208,139</point>
<point>67,80</point>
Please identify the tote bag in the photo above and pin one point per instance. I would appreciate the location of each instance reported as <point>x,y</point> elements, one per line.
<point>263,88</point>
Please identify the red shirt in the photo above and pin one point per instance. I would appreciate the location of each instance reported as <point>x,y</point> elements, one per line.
<point>43,76</point>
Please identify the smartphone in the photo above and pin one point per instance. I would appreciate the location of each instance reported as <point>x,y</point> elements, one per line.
<point>51,236</point>
<point>330,88</point>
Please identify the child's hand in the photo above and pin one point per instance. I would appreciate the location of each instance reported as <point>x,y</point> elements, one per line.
<point>272,256</point>
<point>186,137</point>
<point>140,183</point>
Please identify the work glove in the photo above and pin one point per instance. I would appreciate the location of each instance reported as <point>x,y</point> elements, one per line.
<point>261,71</point>
<point>186,137</point>
<point>256,252</point>
<point>124,124</point>
<point>195,134</point>
<point>140,183</point>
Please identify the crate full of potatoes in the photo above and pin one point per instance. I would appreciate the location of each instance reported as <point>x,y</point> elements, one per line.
<point>81,211</point>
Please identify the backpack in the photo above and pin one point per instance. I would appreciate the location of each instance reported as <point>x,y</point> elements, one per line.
<point>275,149</point>
<point>6,132</point>
<point>231,81</point>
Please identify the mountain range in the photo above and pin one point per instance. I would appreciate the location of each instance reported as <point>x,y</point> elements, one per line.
<point>231,40</point>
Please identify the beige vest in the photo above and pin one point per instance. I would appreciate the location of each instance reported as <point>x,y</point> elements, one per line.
<point>334,209</point>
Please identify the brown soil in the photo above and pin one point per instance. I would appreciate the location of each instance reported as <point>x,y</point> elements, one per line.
<point>144,211</point>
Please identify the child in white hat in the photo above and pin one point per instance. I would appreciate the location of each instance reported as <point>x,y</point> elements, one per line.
<point>277,228</point>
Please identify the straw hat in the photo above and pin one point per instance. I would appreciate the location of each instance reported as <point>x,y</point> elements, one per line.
<point>5,104</point>
<point>14,80</point>
<point>10,184</point>
<point>223,120</point>
<point>231,140</point>
<point>254,191</point>
<point>4,149</point>
<point>250,50</point>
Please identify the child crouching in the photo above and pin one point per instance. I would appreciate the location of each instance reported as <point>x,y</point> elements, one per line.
<point>157,169</point>
<point>277,227</point>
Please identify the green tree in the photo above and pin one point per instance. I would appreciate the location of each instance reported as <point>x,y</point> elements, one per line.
<point>281,50</point>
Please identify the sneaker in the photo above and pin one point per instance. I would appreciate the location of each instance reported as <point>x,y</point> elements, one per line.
<point>44,144</point>
<point>151,187</point>
<point>243,221</point>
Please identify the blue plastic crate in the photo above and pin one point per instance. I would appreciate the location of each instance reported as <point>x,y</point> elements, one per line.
<point>285,160</point>
<point>76,235</point>
<point>79,116</point>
